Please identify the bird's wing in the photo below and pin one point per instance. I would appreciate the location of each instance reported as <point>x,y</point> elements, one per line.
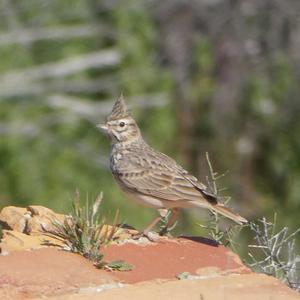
<point>157,175</point>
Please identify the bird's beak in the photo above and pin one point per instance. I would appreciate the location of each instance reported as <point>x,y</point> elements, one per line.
<point>102,126</point>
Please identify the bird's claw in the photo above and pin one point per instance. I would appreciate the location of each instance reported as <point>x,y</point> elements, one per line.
<point>165,232</point>
<point>151,236</point>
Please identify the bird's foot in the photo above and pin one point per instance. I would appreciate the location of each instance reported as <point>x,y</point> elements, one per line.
<point>151,236</point>
<point>166,230</point>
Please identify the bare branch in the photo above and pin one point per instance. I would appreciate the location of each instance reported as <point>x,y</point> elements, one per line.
<point>30,35</point>
<point>63,85</point>
<point>278,252</point>
<point>93,110</point>
<point>74,109</point>
<point>93,60</point>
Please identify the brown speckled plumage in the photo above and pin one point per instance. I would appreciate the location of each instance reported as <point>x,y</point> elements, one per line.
<point>151,177</point>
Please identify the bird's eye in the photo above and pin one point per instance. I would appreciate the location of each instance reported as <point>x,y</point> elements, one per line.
<point>122,124</point>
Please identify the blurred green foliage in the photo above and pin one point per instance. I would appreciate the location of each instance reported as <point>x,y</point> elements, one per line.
<point>217,77</point>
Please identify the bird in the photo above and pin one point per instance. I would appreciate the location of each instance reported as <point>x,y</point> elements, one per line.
<point>152,178</point>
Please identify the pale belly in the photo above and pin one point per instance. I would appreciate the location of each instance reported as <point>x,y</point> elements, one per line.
<point>153,202</point>
<point>147,200</point>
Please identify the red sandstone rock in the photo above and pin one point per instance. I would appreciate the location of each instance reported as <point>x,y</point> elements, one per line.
<point>47,271</point>
<point>168,258</point>
<point>217,273</point>
<point>233,287</point>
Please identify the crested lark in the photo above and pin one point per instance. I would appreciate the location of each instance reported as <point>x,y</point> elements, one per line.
<point>152,178</point>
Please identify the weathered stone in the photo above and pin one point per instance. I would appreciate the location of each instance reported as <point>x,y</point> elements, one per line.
<point>198,256</point>
<point>14,218</point>
<point>215,272</point>
<point>42,211</point>
<point>45,272</point>
<point>16,241</point>
<point>53,274</point>
<point>233,287</point>
<point>42,219</point>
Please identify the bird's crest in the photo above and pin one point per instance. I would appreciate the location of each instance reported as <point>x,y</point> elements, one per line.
<point>119,110</point>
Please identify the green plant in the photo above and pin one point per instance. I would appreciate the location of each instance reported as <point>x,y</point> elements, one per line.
<point>83,233</point>
<point>274,252</point>
<point>163,224</point>
<point>183,275</point>
<point>213,225</point>
<point>119,265</point>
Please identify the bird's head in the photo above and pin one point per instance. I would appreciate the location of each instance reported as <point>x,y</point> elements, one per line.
<point>120,126</point>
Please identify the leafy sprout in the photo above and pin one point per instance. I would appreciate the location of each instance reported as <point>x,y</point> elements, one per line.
<point>213,225</point>
<point>119,265</point>
<point>82,232</point>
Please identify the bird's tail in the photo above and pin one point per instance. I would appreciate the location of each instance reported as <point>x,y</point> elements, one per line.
<point>225,211</point>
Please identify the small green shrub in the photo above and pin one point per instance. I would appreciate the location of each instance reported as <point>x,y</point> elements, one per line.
<point>82,232</point>
<point>274,252</point>
<point>213,225</point>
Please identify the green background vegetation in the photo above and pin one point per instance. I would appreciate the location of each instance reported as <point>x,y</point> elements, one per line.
<point>200,76</point>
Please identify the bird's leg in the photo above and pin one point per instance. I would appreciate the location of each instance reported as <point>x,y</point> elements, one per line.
<point>163,212</point>
<point>172,219</point>
<point>151,225</point>
<point>147,230</point>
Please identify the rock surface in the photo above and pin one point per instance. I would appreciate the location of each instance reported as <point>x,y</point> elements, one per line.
<point>30,220</point>
<point>48,271</point>
<point>14,218</point>
<point>232,287</point>
<point>16,241</point>
<point>209,271</point>
<point>169,258</point>
<point>215,273</point>
<point>42,218</point>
